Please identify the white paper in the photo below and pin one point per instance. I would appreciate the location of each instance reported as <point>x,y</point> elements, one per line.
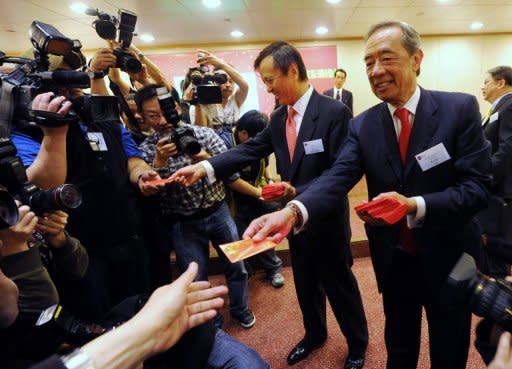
<point>431,157</point>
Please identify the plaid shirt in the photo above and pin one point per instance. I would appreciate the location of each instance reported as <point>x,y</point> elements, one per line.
<point>184,201</point>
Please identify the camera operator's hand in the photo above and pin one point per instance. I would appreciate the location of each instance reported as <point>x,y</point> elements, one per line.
<point>48,102</point>
<point>164,150</point>
<point>141,77</point>
<point>53,225</point>
<point>204,57</point>
<point>14,239</point>
<point>503,357</point>
<point>102,60</point>
<point>145,185</point>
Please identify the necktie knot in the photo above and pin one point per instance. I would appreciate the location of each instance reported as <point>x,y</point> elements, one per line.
<point>403,115</point>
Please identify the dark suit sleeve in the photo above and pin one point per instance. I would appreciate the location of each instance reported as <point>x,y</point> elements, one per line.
<point>472,165</point>
<point>502,157</point>
<point>242,155</point>
<point>350,101</point>
<point>323,195</point>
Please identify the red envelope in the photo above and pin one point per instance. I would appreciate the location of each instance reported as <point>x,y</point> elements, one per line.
<point>272,191</point>
<point>240,250</point>
<point>389,211</point>
<point>160,182</point>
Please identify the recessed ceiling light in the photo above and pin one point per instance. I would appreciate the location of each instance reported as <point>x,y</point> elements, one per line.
<point>333,1</point>
<point>78,7</point>
<point>476,25</point>
<point>236,33</point>
<point>211,3</point>
<point>146,37</point>
<point>321,30</point>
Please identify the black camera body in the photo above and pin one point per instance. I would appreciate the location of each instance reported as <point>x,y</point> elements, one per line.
<point>183,137</point>
<point>206,86</point>
<point>108,26</point>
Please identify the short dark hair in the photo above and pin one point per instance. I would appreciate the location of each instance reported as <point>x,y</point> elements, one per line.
<point>253,122</point>
<point>340,70</point>
<point>145,93</point>
<point>410,37</point>
<point>503,72</point>
<point>284,56</point>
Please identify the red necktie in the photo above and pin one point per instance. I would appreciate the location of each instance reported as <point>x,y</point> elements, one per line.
<point>405,236</point>
<point>291,132</point>
<point>403,140</point>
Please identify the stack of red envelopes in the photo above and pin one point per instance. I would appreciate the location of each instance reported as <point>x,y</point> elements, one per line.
<point>240,250</point>
<point>387,210</point>
<point>272,191</point>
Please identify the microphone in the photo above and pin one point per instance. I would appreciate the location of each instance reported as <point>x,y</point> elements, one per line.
<point>66,78</point>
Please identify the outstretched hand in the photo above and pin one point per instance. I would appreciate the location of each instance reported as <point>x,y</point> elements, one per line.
<point>503,357</point>
<point>273,226</point>
<point>189,175</point>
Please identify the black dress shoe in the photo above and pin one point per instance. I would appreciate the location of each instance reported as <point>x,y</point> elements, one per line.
<point>354,362</point>
<point>302,350</point>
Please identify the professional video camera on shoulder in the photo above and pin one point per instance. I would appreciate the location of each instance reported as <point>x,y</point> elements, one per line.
<point>182,136</point>
<point>108,26</point>
<point>31,77</point>
<point>206,86</point>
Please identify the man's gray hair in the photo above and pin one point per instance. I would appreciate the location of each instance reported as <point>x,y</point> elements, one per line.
<point>410,40</point>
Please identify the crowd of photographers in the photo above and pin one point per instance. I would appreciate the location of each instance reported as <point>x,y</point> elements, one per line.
<point>85,253</point>
<point>90,243</point>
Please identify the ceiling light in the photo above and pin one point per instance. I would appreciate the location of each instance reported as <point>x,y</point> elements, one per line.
<point>236,33</point>
<point>211,3</point>
<point>146,37</point>
<point>476,25</point>
<point>78,7</point>
<point>333,1</point>
<point>321,30</point>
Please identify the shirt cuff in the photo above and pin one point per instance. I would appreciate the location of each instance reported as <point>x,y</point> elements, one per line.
<point>210,172</point>
<point>416,220</point>
<point>303,212</point>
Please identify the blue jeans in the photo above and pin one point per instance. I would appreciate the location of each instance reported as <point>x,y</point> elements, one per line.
<point>191,241</point>
<point>228,353</point>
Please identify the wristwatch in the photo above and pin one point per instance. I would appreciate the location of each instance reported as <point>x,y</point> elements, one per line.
<point>77,359</point>
<point>297,213</point>
<point>95,75</point>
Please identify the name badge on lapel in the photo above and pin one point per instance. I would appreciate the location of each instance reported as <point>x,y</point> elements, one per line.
<point>97,141</point>
<point>313,146</point>
<point>494,117</point>
<point>432,157</point>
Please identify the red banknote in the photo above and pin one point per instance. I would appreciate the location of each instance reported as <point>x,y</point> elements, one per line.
<point>240,250</point>
<point>389,211</point>
<point>272,191</point>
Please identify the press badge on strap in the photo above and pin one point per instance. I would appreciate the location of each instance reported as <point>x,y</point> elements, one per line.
<point>97,141</point>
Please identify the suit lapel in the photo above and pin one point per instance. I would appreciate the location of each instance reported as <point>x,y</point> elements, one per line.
<point>307,128</point>
<point>425,122</point>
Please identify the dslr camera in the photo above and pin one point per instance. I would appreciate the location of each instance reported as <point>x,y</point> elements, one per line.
<point>182,136</point>
<point>108,26</point>
<point>206,86</point>
<point>488,297</point>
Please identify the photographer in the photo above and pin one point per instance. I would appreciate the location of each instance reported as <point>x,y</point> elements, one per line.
<point>199,214</point>
<point>221,117</point>
<point>104,162</point>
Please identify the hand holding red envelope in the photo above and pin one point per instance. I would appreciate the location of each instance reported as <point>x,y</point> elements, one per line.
<point>240,250</point>
<point>272,191</point>
<point>385,210</point>
<point>161,182</point>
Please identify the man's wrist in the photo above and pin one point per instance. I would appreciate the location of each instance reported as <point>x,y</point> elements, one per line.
<point>298,220</point>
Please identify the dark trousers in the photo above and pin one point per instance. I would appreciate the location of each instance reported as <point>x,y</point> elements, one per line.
<point>321,270</point>
<point>404,295</point>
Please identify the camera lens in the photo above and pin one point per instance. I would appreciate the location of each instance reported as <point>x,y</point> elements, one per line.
<point>8,210</point>
<point>69,196</point>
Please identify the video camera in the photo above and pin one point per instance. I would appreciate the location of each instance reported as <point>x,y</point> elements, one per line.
<point>206,86</point>
<point>182,136</point>
<point>107,26</point>
<point>31,77</point>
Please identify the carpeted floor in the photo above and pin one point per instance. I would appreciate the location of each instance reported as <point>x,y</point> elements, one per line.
<point>279,325</point>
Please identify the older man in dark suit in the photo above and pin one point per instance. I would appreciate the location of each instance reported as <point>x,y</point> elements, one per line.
<point>426,150</point>
<point>338,92</point>
<point>496,219</point>
<point>306,133</point>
